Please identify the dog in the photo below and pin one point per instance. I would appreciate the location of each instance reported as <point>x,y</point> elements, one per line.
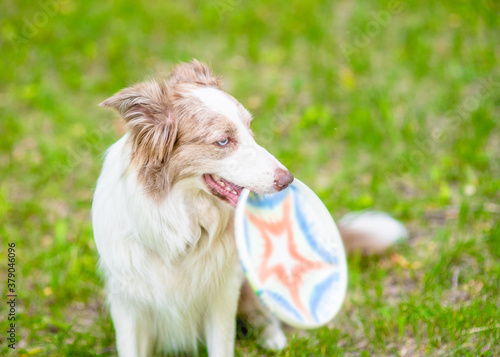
<point>163,216</point>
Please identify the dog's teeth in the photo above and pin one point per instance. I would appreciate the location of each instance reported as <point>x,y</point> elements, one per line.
<point>216,178</point>
<point>221,183</point>
<point>234,191</point>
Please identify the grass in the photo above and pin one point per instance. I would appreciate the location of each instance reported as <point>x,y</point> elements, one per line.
<point>374,104</point>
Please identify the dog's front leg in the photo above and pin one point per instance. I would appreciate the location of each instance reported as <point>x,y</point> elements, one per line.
<point>220,323</point>
<point>133,337</point>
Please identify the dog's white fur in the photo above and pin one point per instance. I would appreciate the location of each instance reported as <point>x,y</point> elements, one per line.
<point>171,269</point>
<point>172,273</point>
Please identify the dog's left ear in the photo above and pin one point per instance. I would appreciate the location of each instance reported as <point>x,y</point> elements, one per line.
<point>149,119</point>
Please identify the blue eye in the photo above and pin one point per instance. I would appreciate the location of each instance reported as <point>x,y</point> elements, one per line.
<point>223,142</point>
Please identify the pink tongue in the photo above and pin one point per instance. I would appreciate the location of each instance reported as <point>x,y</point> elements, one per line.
<point>233,187</point>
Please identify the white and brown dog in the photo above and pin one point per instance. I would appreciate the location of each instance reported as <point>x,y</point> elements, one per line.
<point>163,215</point>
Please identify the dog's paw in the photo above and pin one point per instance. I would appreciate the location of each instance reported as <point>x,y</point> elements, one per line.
<point>273,340</point>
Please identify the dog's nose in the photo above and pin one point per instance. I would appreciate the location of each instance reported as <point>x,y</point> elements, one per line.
<point>282,178</point>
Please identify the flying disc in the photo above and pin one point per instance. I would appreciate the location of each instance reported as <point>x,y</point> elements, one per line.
<point>292,254</point>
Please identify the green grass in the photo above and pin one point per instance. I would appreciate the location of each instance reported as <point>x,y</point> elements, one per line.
<point>400,115</point>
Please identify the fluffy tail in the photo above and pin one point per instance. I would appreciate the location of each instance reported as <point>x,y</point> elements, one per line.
<point>370,232</point>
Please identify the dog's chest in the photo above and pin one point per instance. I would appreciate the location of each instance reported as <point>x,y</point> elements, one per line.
<point>189,251</point>
<point>201,270</point>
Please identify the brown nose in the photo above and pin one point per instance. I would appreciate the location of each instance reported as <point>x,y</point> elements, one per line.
<point>282,178</point>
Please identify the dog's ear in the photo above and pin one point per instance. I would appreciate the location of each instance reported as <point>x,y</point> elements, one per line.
<point>149,119</point>
<point>194,72</point>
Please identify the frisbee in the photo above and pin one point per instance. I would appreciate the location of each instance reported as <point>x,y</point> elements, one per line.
<point>292,254</point>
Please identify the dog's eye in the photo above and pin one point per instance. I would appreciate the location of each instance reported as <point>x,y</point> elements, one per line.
<point>223,142</point>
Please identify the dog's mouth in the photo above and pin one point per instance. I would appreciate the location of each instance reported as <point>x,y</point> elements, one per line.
<point>223,189</point>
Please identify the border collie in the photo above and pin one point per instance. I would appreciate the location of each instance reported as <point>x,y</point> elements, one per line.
<point>163,216</point>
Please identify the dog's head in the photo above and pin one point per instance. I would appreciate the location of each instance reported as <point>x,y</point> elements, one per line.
<point>186,127</point>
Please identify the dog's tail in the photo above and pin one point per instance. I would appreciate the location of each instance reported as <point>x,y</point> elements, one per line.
<point>370,232</point>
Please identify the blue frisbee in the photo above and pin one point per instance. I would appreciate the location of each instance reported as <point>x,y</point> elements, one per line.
<point>292,254</point>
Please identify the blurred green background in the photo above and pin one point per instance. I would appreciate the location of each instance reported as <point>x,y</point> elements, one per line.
<point>392,105</point>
